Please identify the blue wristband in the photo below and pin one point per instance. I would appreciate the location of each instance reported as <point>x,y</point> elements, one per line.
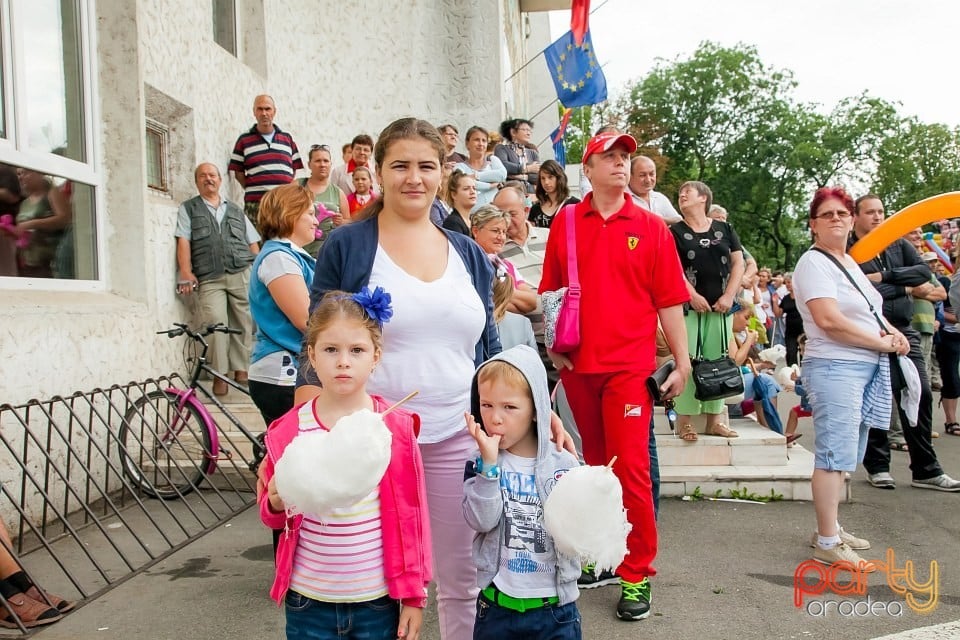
<point>492,472</point>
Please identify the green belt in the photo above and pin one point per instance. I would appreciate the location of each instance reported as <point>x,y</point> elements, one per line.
<point>501,599</point>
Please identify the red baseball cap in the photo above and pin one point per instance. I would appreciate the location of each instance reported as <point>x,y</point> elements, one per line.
<point>606,141</point>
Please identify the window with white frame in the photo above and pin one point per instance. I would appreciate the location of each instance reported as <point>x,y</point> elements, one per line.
<point>48,174</point>
<point>225,24</point>
<point>157,146</point>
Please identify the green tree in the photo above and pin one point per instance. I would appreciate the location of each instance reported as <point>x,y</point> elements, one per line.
<point>917,161</point>
<point>578,132</point>
<point>693,109</point>
<point>724,117</point>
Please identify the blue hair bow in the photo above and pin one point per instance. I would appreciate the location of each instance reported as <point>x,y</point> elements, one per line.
<point>376,303</point>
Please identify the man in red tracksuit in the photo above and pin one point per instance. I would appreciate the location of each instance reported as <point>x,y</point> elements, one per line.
<point>630,276</point>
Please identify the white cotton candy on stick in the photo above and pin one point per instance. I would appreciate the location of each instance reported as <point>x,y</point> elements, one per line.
<point>776,355</point>
<point>584,515</point>
<point>320,471</point>
<point>785,375</point>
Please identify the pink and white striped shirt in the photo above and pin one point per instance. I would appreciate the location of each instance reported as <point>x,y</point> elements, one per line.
<point>341,558</point>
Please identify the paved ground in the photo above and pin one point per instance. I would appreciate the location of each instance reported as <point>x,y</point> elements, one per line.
<point>726,572</point>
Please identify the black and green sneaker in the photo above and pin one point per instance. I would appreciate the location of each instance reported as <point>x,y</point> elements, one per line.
<point>590,580</point>
<point>634,600</point>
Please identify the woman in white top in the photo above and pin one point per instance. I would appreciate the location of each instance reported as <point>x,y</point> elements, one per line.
<point>487,169</point>
<point>841,366</point>
<point>442,328</point>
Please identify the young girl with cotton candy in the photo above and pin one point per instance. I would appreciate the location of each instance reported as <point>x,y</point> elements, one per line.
<point>350,563</point>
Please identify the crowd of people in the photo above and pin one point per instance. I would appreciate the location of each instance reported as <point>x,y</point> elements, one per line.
<point>413,266</point>
<point>464,243</point>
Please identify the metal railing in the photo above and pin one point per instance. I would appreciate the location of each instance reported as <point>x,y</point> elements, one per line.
<point>78,522</point>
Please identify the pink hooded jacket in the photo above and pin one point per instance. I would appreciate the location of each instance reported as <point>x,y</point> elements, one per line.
<point>403,508</point>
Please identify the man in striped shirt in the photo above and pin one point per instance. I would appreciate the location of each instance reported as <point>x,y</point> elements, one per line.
<point>263,157</point>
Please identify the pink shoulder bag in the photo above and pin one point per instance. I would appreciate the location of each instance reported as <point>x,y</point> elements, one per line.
<point>561,308</point>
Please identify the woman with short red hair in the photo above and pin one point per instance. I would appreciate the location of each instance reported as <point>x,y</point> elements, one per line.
<point>843,363</point>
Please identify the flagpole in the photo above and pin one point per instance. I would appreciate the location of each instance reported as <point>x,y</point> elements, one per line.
<point>525,65</point>
<point>530,61</point>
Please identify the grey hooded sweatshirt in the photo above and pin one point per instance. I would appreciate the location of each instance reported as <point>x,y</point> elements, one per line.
<point>483,499</point>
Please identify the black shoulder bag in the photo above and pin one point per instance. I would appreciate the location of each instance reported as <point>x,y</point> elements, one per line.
<point>714,379</point>
<point>897,379</point>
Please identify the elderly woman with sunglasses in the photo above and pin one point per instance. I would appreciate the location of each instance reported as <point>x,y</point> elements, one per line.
<point>844,358</point>
<point>325,193</point>
<point>712,261</point>
<point>488,226</point>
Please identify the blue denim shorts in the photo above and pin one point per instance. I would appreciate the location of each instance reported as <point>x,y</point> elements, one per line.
<point>835,389</point>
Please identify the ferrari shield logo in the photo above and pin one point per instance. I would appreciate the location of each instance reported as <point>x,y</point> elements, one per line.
<point>632,242</point>
<point>632,410</point>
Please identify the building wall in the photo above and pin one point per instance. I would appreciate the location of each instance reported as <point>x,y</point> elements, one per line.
<point>334,68</point>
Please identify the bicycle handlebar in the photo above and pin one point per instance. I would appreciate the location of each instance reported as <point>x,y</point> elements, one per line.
<point>181,329</point>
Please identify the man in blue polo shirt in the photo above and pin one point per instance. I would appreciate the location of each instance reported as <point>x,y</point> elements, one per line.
<point>263,157</point>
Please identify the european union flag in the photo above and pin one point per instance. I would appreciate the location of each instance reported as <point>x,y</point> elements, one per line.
<point>575,71</point>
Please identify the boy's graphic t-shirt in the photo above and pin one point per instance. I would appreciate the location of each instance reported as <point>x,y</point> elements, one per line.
<point>527,561</point>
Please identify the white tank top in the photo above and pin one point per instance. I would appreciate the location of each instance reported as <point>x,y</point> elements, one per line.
<point>429,343</point>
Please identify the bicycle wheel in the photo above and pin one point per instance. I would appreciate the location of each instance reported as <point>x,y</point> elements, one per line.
<point>165,451</point>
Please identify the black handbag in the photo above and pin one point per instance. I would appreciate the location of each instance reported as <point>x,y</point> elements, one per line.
<point>714,379</point>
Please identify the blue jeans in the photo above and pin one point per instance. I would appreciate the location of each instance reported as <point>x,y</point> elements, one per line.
<point>314,620</point>
<point>654,471</point>
<point>763,389</point>
<point>555,622</point>
<point>835,389</point>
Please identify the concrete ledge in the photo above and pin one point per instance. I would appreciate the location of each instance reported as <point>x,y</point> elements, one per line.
<point>755,446</point>
<point>791,480</point>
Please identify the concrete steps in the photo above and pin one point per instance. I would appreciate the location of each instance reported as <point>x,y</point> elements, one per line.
<point>757,461</point>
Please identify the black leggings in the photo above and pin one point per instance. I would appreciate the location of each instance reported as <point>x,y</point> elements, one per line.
<point>948,357</point>
<point>271,399</point>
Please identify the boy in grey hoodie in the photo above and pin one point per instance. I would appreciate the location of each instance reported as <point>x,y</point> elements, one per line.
<point>528,588</point>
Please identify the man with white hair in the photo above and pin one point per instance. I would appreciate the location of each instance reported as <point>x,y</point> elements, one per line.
<point>643,178</point>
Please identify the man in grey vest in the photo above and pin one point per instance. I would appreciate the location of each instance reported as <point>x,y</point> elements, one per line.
<point>216,245</point>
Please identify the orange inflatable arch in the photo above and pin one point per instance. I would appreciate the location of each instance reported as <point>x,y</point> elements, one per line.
<point>945,205</point>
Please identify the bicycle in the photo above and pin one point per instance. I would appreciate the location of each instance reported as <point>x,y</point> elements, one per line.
<point>169,440</point>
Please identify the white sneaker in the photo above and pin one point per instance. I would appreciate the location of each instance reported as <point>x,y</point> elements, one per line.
<point>843,555</point>
<point>848,539</point>
<point>942,482</point>
<point>882,480</point>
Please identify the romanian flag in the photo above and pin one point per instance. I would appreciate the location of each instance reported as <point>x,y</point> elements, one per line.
<point>559,150</point>
<point>579,19</point>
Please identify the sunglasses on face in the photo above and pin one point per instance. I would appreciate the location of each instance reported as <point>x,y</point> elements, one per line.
<point>830,215</point>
